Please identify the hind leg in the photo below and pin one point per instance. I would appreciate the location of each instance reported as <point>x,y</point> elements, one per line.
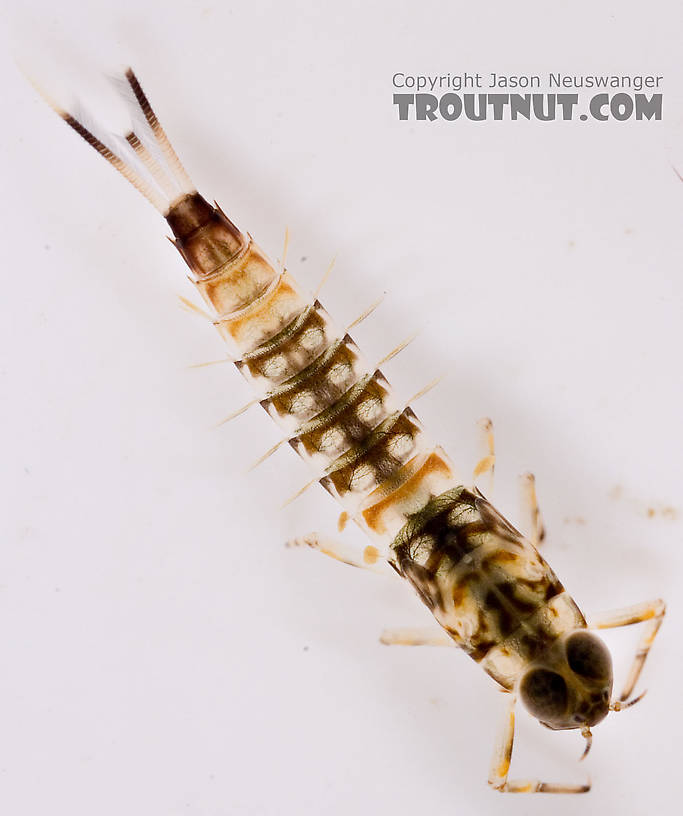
<point>484,473</point>
<point>484,470</point>
<point>532,520</point>
<point>370,558</point>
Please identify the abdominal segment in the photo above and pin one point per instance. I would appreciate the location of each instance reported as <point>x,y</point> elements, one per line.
<point>337,412</point>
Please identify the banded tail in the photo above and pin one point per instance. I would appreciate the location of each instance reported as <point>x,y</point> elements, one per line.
<point>205,237</point>
<point>337,412</point>
<point>146,159</point>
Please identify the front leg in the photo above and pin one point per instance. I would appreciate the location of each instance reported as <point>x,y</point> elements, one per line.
<point>502,756</point>
<point>652,611</point>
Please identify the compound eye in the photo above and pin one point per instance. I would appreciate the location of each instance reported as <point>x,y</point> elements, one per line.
<point>545,695</point>
<point>588,657</point>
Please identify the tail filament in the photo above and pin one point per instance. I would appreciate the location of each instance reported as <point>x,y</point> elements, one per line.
<point>163,182</point>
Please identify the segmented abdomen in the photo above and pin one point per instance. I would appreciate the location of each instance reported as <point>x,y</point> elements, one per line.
<point>337,413</point>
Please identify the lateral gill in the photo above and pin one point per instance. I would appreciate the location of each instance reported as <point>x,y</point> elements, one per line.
<point>336,412</point>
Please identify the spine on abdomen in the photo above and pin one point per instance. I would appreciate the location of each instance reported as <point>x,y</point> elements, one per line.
<point>338,414</point>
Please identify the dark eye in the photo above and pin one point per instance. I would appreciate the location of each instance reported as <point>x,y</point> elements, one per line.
<point>588,657</point>
<point>544,693</point>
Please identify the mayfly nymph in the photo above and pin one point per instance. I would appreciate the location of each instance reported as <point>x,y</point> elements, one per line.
<point>490,591</point>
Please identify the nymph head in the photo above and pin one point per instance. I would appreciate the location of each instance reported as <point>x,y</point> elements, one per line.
<point>570,685</point>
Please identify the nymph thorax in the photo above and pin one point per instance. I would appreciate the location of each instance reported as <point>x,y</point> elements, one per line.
<point>484,582</point>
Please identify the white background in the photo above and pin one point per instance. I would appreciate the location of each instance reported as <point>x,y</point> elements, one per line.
<point>162,652</point>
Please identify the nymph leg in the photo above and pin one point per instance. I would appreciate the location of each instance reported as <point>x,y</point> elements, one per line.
<point>416,636</point>
<point>500,764</point>
<point>651,611</point>
<point>487,462</point>
<point>370,558</point>
<point>532,522</point>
